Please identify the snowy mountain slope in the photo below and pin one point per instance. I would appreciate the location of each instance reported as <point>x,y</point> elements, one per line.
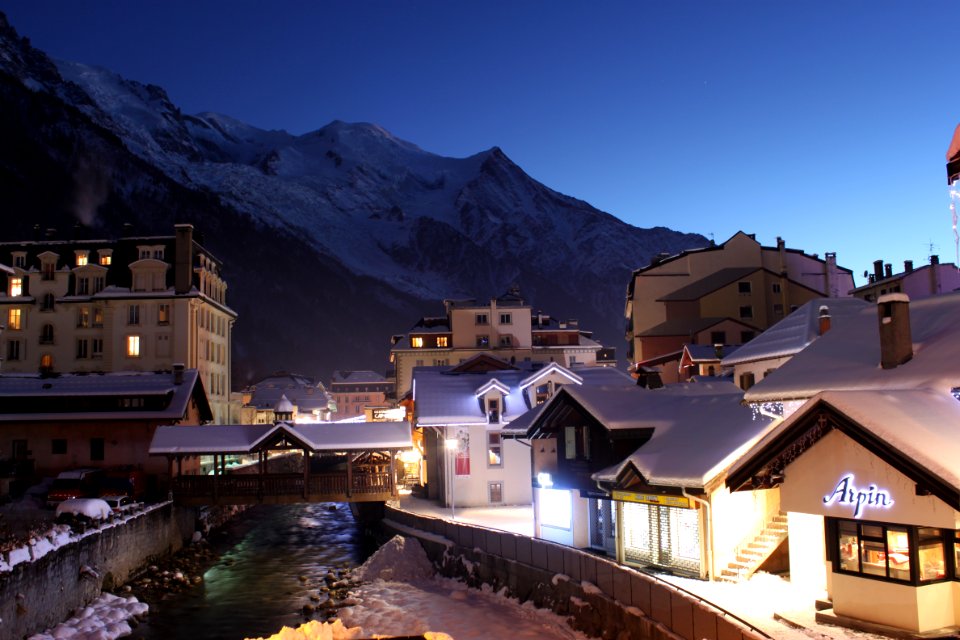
<point>391,223</point>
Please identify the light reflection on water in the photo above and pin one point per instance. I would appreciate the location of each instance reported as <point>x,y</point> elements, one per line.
<point>256,587</point>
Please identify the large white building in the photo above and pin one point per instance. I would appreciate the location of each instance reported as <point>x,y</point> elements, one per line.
<point>137,303</point>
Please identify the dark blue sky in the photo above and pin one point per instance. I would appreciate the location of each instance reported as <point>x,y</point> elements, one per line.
<point>825,123</point>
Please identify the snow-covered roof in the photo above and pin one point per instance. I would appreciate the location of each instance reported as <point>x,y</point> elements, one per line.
<point>244,438</point>
<point>796,331</point>
<point>921,425</point>
<point>300,391</point>
<point>284,405</point>
<point>34,397</point>
<point>697,353</point>
<point>357,376</point>
<point>444,397</point>
<point>553,367</point>
<point>848,356</point>
<point>699,428</point>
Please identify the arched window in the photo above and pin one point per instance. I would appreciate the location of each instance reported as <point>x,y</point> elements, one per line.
<point>46,334</point>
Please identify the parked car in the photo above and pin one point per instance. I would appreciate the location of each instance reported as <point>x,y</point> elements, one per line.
<point>75,483</point>
<point>117,502</point>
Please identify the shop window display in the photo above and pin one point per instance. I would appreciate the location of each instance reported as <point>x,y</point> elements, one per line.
<point>890,552</point>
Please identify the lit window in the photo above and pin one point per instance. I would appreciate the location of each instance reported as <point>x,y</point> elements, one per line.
<point>16,287</point>
<point>443,341</point>
<point>81,258</point>
<point>46,362</point>
<point>163,314</point>
<point>416,342</point>
<point>98,316</point>
<point>83,317</point>
<point>133,346</point>
<point>14,319</point>
<point>106,259</point>
<point>494,450</point>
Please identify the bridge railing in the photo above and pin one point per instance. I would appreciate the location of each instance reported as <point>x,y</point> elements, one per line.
<point>287,484</point>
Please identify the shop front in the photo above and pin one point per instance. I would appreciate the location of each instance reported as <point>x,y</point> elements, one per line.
<point>659,531</point>
<point>883,487</point>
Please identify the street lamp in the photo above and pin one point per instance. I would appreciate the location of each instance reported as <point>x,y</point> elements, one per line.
<point>451,445</point>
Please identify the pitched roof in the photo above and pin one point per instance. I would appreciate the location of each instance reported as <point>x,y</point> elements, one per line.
<point>299,391</point>
<point>443,397</point>
<point>796,331</point>
<point>245,438</point>
<point>96,396</point>
<point>357,376</point>
<point>916,429</point>
<point>848,356</point>
<point>699,428</point>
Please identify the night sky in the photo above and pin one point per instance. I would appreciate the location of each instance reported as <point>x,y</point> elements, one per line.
<point>825,123</point>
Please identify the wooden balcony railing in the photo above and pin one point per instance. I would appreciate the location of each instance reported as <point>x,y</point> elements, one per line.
<point>327,486</point>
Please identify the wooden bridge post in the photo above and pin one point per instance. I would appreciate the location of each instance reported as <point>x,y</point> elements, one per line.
<point>350,459</point>
<point>306,473</point>
<point>394,491</point>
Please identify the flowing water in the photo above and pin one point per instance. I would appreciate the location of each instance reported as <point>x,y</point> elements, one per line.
<point>272,558</point>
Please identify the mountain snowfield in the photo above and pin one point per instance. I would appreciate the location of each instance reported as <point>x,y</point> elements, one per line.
<point>372,207</point>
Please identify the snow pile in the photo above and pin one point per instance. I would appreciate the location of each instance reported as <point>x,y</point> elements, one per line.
<point>93,508</point>
<point>315,630</point>
<point>401,559</point>
<point>104,619</point>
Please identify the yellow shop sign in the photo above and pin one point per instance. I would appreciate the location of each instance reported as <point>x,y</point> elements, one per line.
<point>652,498</point>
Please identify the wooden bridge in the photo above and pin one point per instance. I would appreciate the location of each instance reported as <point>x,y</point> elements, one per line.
<point>348,462</point>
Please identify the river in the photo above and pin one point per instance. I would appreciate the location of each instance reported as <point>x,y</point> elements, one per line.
<point>257,584</point>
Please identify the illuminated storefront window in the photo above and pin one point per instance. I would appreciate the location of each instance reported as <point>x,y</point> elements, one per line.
<point>891,552</point>
<point>556,508</point>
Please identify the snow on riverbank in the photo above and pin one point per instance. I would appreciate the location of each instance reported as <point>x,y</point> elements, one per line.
<point>106,618</point>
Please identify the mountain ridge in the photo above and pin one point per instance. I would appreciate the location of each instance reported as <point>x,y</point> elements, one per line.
<point>395,228</point>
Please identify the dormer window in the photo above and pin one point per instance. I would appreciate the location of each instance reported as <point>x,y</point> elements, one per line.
<point>47,270</point>
<point>443,341</point>
<point>20,259</point>
<point>416,342</point>
<point>493,410</point>
<point>106,257</point>
<point>143,253</point>
<point>82,257</point>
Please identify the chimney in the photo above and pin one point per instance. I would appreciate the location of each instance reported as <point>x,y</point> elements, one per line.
<point>183,261</point>
<point>907,266</point>
<point>877,270</point>
<point>896,344</point>
<point>824,319</point>
<point>934,259</point>
<point>888,270</point>
<point>934,275</point>
<point>177,373</point>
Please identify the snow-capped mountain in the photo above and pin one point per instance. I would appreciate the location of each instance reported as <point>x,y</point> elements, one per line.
<point>396,227</point>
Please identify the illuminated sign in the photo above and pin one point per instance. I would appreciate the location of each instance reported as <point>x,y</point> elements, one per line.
<point>652,498</point>
<point>847,494</point>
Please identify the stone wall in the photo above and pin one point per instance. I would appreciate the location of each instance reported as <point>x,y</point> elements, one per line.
<point>602,598</point>
<point>42,593</point>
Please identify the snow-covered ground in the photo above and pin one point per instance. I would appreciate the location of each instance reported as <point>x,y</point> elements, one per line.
<point>107,618</point>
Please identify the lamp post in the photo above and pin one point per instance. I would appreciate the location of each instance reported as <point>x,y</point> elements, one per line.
<point>451,444</point>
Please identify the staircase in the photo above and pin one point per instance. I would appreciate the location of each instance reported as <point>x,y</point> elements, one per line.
<point>752,553</point>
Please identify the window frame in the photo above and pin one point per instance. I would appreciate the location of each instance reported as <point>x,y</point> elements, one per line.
<point>881,535</point>
<point>14,319</point>
<point>494,449</point>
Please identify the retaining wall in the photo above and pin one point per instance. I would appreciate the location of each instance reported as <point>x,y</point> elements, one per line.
<point>42,593</point>
<point>602,598</point>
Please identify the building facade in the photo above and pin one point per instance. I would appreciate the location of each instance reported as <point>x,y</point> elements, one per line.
<point>677,298</point>
<point>922,282</point>
<point>506,327</point>
<point>354,392</point>
<point>276,396</point>
<point>129,304</point>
